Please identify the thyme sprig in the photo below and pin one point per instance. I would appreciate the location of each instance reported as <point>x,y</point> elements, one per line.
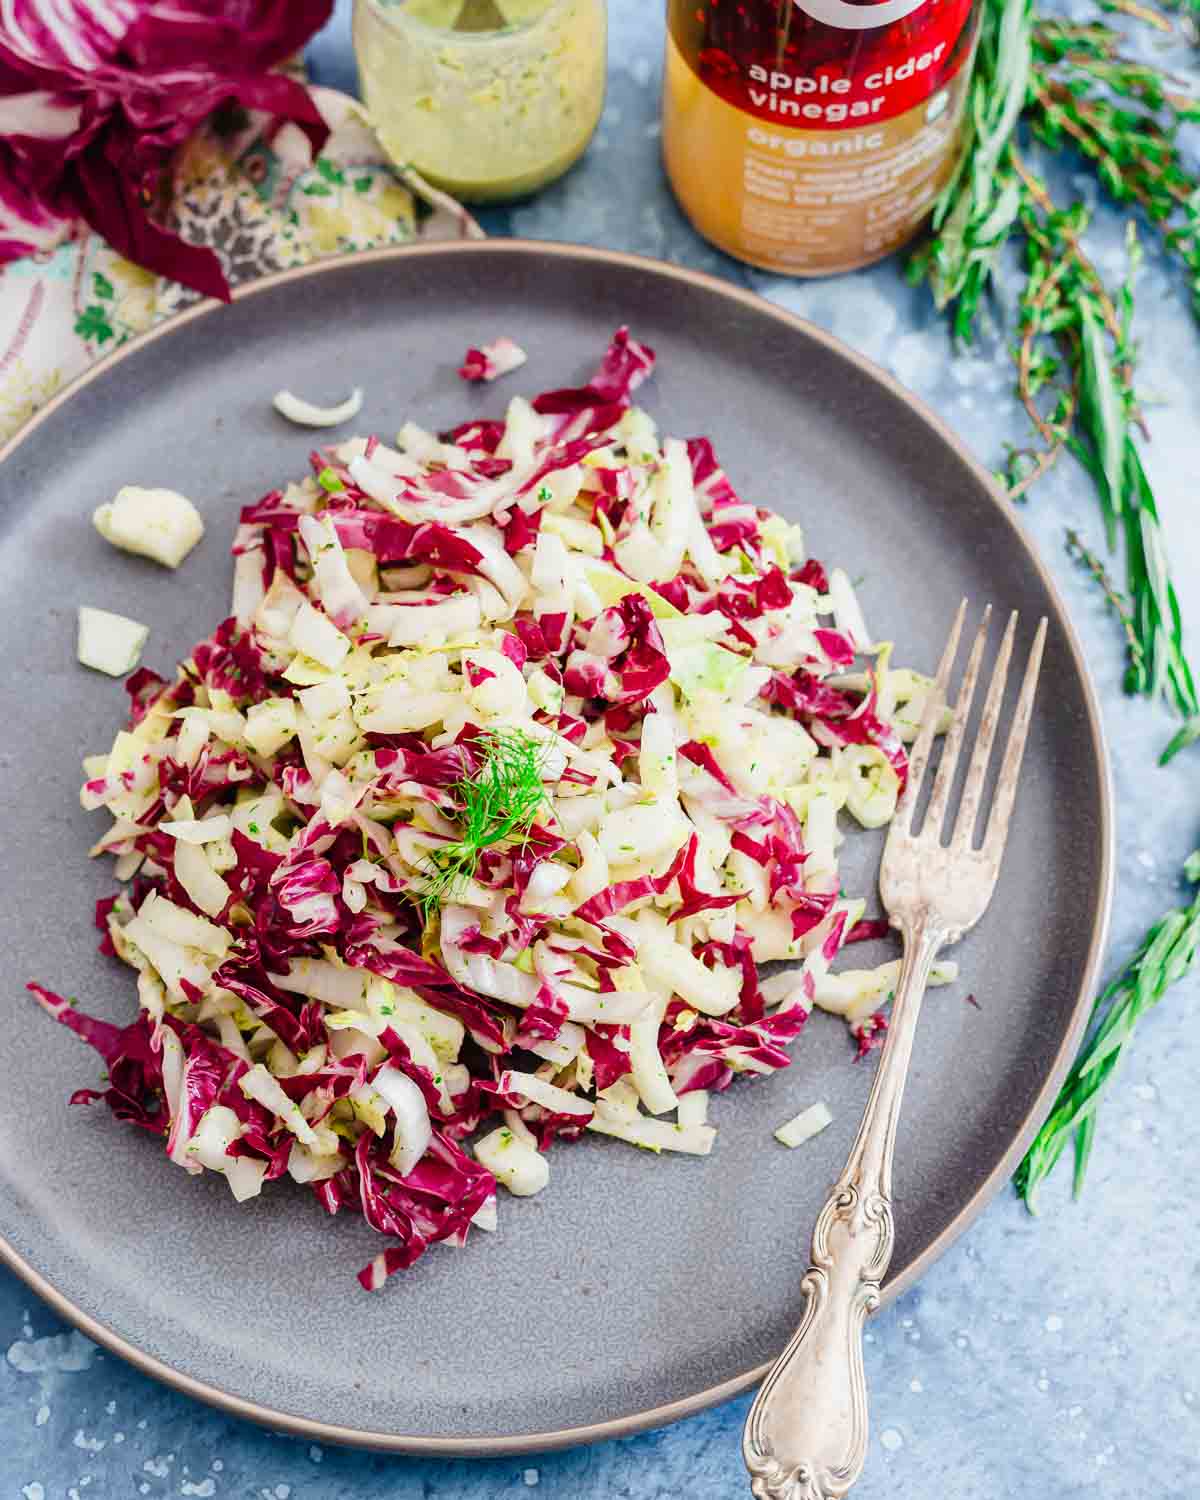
<point>1077,84</point>
<point>1078,549</point>
<point>499,804</point>
<point>1167,953</point>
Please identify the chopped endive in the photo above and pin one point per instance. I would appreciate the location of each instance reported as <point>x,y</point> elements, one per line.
<point>259,1084</point>
<point>413,1130</point>
<point>655,1135</point>
<point>314,635</point>
<point>872,786</point>
<point>109,642</point>
<point>202,884</point>
<point>855,993</point>
<point>693,1108</point>
<point>611,586</point>
<point>464,832</point>
<point>515,1163</point>
<point>309,414</point>
<point>155,523</point>
<point>847,611</point>
<point>650,1076</point>
<point>537,1091</point>
<point>706,667</point>
<point>270,724</point>
<point>805,1125</point>
<point>198,830</point>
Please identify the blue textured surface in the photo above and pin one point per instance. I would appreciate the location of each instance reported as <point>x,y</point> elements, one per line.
<point>1046,1356</point>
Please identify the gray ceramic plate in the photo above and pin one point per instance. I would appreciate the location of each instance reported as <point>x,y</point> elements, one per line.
<point>636,1289</point>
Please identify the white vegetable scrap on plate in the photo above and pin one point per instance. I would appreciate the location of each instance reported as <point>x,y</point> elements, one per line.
<point>160,524</point>
<point>520,747</point>
<point>802,1127</point>
<point>308,414</point>
<point>490,361</point>
<point>108,642</point>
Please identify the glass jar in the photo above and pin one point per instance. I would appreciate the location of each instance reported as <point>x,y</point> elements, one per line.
<point>488,99</point>
<point>812,136</point>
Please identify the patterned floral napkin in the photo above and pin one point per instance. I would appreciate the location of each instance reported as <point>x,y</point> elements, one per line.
<point>250,191</point>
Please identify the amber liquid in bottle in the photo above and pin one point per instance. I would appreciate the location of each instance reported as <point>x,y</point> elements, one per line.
<point>812,136</point>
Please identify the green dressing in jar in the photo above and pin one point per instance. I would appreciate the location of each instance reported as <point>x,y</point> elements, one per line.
<point>488,99</point>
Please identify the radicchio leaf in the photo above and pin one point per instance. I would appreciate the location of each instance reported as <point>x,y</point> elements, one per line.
<point>97,99</point>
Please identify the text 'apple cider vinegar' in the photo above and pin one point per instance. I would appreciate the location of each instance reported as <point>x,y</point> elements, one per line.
<point>812,136</point>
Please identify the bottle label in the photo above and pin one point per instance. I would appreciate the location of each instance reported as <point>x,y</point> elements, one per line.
<point>813,136</point>
<point>827,71</point>
<point>858,17</point>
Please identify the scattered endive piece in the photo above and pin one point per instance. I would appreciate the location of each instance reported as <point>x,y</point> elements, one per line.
<point>805,1125</point>
<point>160,524</point>
<point>516,1163</point>
<point>108,642</point>
<point>308,414</point>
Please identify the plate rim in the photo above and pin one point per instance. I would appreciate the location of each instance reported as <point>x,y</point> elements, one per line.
<point>657,1416</point>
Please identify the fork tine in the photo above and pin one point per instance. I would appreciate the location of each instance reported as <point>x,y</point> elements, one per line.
<point>1010,766</point>
<point>934,704</point>
<point>935,817</point>
<point>968,811</point>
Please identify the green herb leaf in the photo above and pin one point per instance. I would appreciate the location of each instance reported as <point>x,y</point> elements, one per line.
<point>977,209</point>
<point>1167,953</point>
<point>1104,414</point>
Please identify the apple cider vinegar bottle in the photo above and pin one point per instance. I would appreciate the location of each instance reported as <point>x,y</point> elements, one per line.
<point>812,136</point>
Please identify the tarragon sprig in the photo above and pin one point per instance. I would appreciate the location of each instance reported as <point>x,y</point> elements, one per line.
<point>977,210</point>
<point>1167,953</point>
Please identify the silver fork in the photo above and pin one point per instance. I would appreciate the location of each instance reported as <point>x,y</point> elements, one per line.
<point>806,1435</point>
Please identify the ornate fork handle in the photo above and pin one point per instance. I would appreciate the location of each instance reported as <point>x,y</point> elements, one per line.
<point>806,1436</point>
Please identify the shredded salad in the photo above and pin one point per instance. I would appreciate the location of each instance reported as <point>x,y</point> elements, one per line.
<point>521,747</point>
